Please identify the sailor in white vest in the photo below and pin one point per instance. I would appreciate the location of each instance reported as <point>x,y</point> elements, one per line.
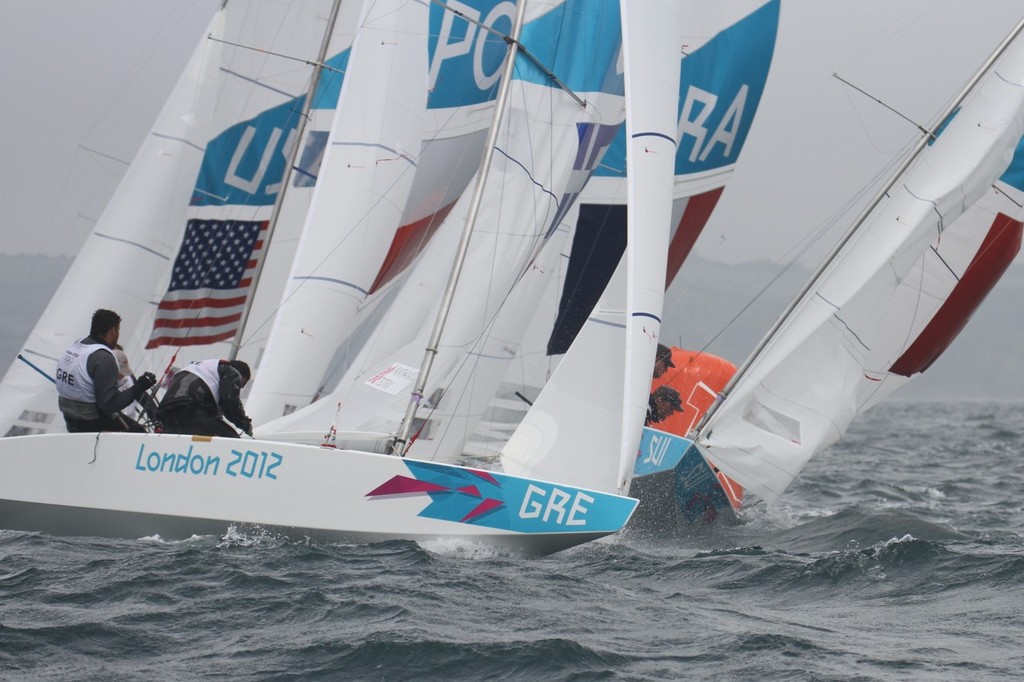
<point>87,380</point>
<point>203,394</point>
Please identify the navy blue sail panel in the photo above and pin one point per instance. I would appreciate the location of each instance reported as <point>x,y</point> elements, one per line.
<point>721,84</point>
<point>597,248</point>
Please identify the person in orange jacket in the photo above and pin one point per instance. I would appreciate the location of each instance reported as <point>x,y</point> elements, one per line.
<point>697,378</point>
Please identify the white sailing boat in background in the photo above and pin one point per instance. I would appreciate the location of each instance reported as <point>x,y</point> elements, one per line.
<point>889,300</point>
<point>901,286</point>
<point>133,484</point>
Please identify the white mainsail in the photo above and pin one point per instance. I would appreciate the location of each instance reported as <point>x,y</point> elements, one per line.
<point>899,289</point>
<point>548,145</point>
<point>213,161</point>
<point>395,164</point>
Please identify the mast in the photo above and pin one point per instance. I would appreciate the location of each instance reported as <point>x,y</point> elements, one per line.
<point>307,104</point>
<point>652,32</point>
<point>855,226</point>
<point>400,444</point>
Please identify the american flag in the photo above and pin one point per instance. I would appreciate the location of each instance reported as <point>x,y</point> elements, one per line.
<point>211,277</point>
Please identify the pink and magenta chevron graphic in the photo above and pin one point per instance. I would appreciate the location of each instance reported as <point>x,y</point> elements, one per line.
<point>449,490</point>
<point>496,500</point>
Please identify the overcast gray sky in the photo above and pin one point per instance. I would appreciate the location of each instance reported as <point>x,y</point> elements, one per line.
<point>83,81</point>
<point>81,76</point>
<point>816,141</point>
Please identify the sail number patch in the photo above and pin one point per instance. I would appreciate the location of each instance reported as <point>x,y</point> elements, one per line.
<point>542,504</point>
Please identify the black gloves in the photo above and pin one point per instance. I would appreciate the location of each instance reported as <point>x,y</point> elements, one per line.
<point>144,383</point>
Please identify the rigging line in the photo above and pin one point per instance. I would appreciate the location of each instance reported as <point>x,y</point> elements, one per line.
<point>308,62</point>
<point>1016,203</point>
<point>104,155</point>
<point>792,261</point>
<point>867,129</point>
<point>909,120</point>
<point>520,47</point>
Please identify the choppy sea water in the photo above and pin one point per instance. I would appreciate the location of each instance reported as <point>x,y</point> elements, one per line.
<point>898,555</point>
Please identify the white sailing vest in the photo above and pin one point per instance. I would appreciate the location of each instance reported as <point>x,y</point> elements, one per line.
<point>73,380</point>
<point>207,371</point>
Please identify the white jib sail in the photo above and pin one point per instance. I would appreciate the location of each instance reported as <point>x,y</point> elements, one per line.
<point>547,147</point>
<point>360,196</point>
<point>851,339</point>
<point>348,272</point>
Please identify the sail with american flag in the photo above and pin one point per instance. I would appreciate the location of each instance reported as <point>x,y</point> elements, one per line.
<point>211,167</point>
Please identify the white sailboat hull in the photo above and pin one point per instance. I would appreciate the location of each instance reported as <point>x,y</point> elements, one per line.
<point>138,485</point>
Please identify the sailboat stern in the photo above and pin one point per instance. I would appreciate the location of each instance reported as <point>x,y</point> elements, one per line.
<point>678,487</point>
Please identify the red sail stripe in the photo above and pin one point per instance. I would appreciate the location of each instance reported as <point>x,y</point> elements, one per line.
<point>691,224</point>
<point>197,321</point>
<point>997,251</point>
<point>408,242</point>
<point>196,303</point>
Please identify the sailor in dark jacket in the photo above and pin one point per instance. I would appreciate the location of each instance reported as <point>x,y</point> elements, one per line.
<point>661,404</point>
<point>201,394</point>
<point>87,378</point>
